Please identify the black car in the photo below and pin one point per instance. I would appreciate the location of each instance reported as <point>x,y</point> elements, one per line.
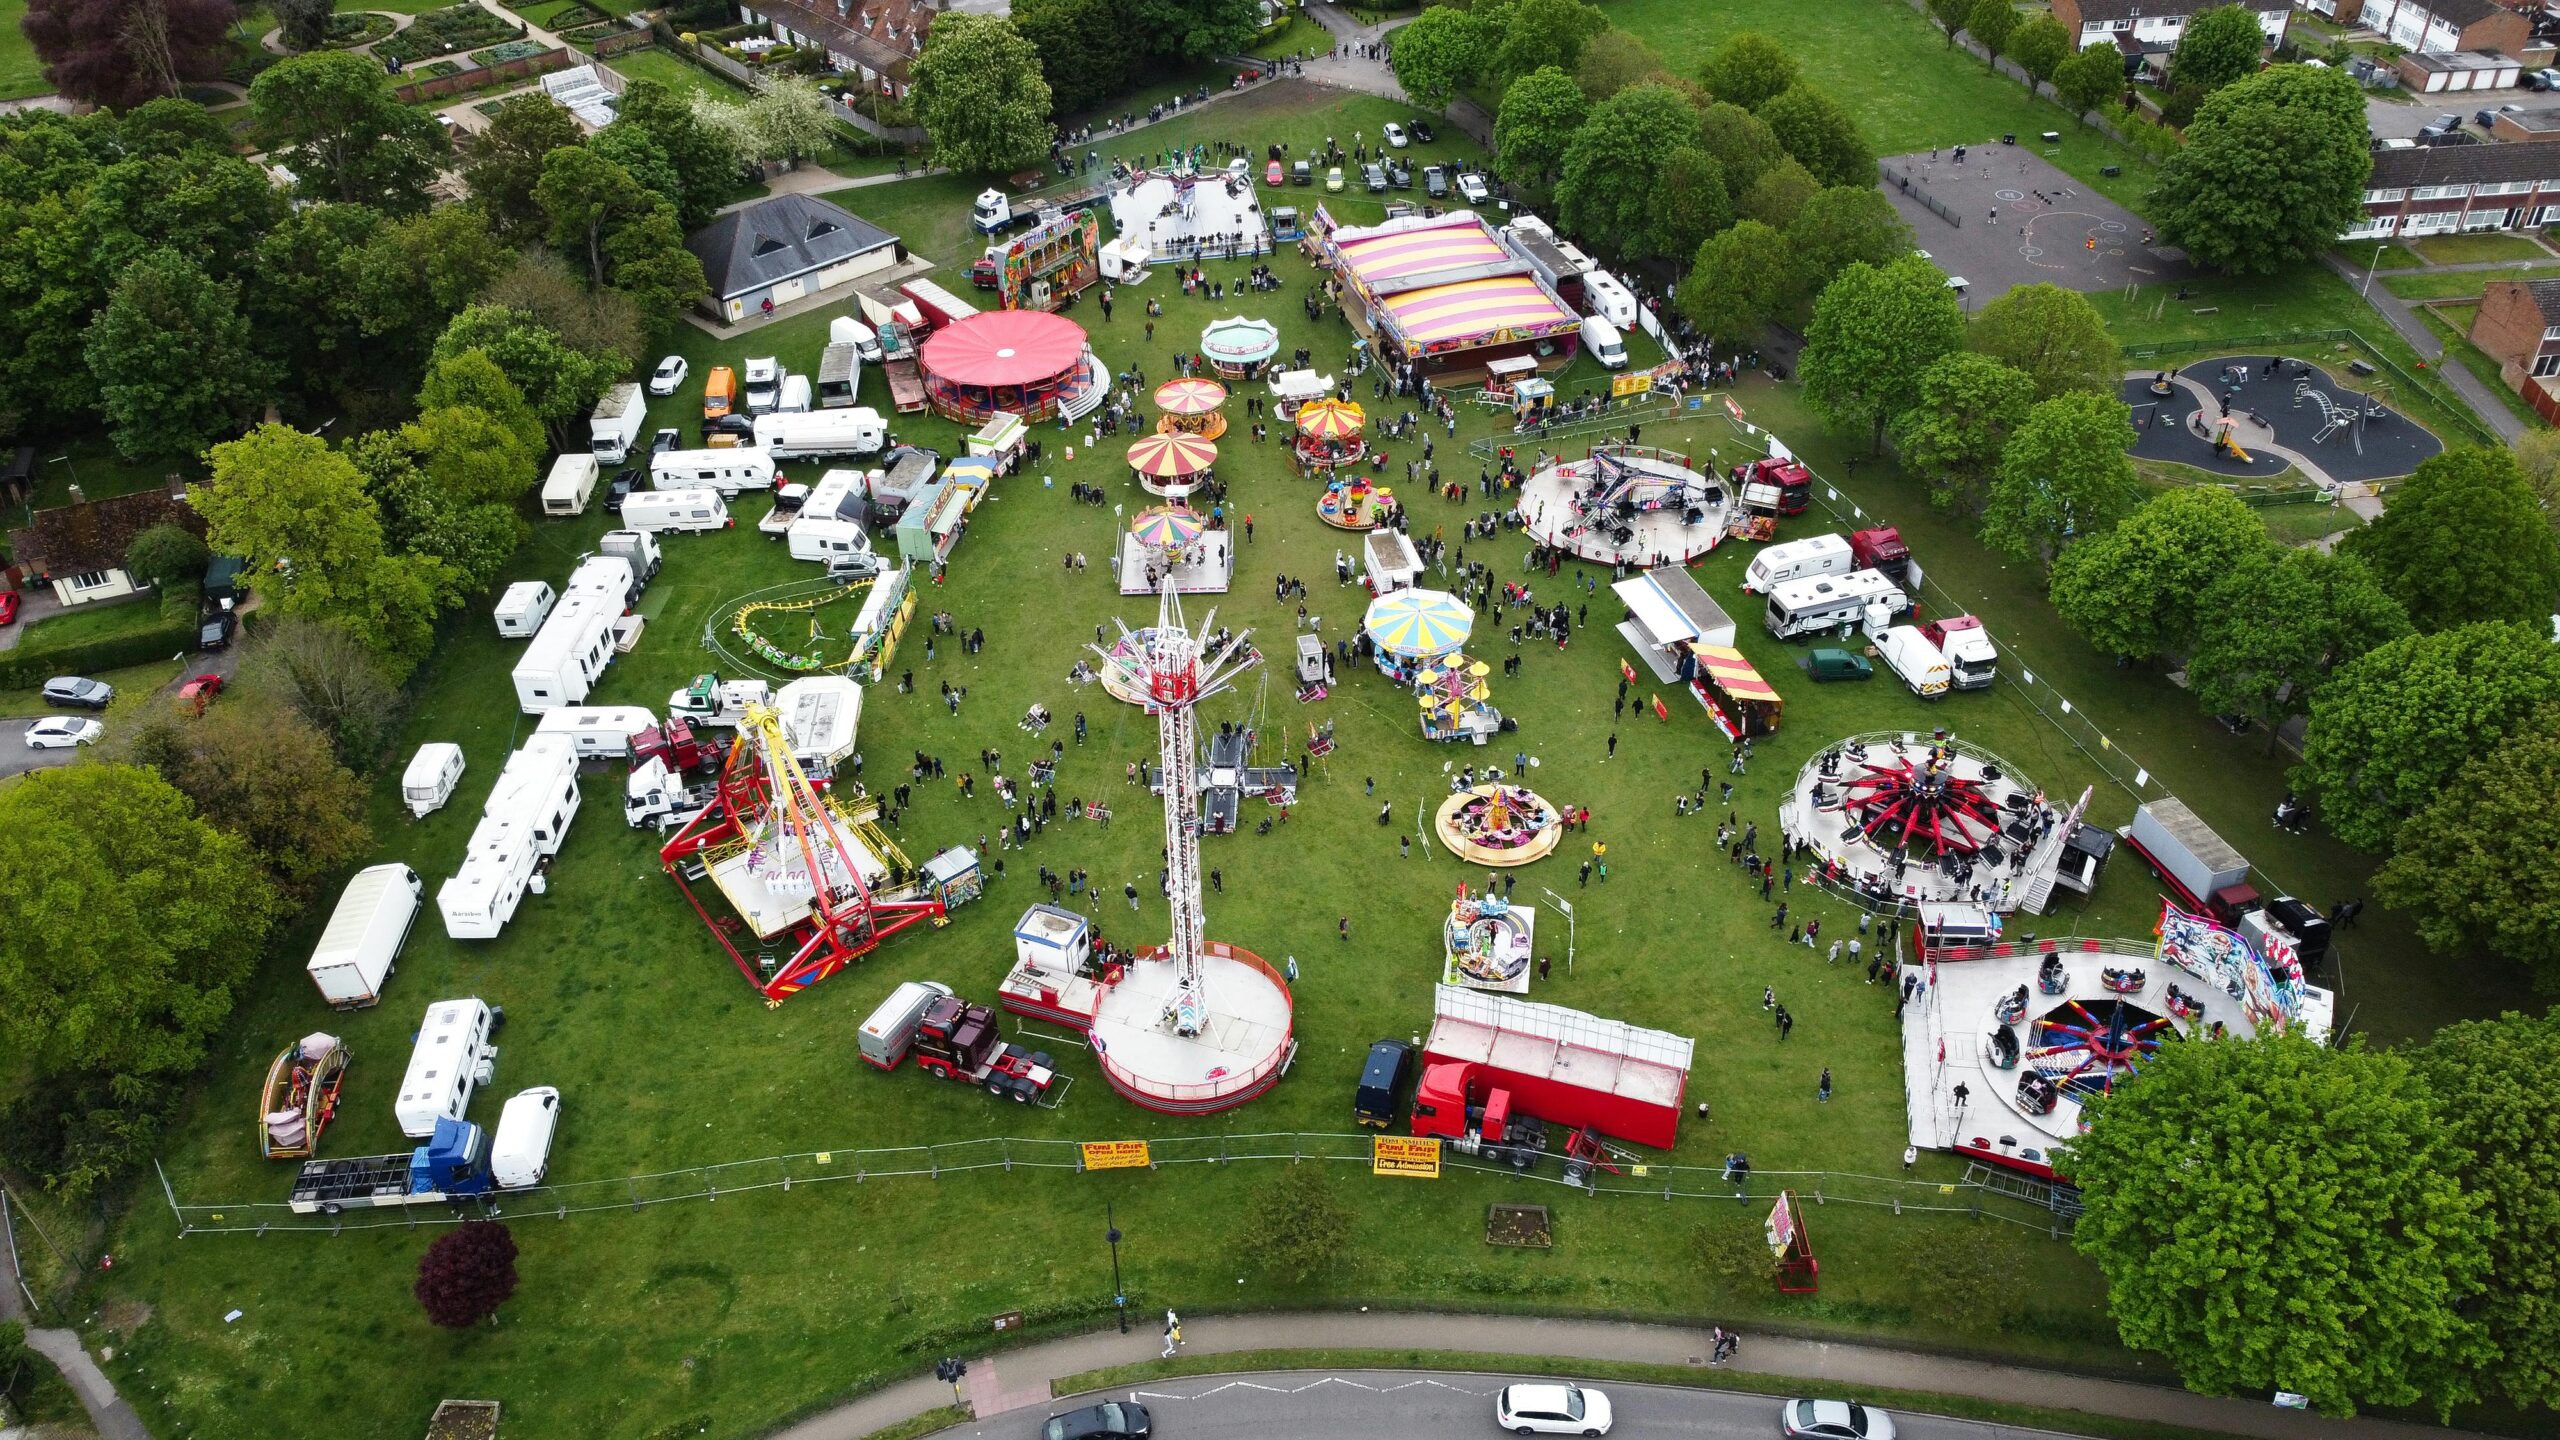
<point>665,440</point>
<point>625,480</point>
<point>215,630</point>
<point>742,426</point>
<point>1110,1420</point>
<point>1422,132</point>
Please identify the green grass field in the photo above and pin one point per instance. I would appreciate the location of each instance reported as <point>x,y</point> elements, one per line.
<point>90,623</point>
<point>2459,284</point>
<point>21,74</point>
<point>675,72</point>
<point>2471,249</point>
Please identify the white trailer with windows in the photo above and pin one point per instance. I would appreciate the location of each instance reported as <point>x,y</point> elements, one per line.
<point>361,947</point>
<point>597,732</point>
<point>1797,560</point>
<point>1835,602</point>
<point>430,778</point>
<point>660,511</point>
<point>523,607</point>
<point>727,471</point>
<point>571,483</point>
<point>524,823</point>
<point>826,526</point>
<point>822,434</point>
<point>577,642</point>
<point>452,1058</point>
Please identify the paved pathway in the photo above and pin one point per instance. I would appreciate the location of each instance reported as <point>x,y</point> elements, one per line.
<point>2402,317</point>
<point>1022,1377</point>
<point>1345,67</point>
<point>113,1418</point>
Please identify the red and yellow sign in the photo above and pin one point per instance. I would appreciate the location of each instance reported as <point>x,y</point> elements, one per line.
<point>1404,1155</point>
<point>1116,1155</point>
<point>1635,382</point>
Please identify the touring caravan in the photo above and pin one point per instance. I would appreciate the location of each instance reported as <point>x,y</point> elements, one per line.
<point>430,778</point>
<point>1832,602</point>
<point>822,434</point>
<point>525,821</point>
<point>830,520</point>
<point>453,1057</point>
<point>361,947</point>
<point>577,642</point>
<point>571,483</point>
<point>695,509</point>
<point>597,732</point>
<point>523,608</point>
<point>1909,655</point>
<point>1797,560</point>
<point>727,471</point>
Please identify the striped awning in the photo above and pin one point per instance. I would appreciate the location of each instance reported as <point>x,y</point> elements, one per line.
<point>1473,308</point>
<point>1725,669</point>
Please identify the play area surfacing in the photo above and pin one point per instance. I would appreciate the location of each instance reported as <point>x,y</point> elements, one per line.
<point>2286,413</point>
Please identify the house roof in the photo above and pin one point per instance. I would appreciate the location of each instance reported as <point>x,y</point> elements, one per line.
<point>93,535</point>
<point>2095,10</point>
<point>2463,14</point>
<point>882,34</point>
<point>2545,295</point>
<point>2462,164</point>
<point>774,239</point>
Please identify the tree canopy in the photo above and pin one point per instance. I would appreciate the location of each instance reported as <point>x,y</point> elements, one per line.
<point>1842,226</point>
<point>1442,49</point>
<point>2473,865</point>
<point>1813,128</point>
<point>2273,171</point>
<point>2220,45</point>
<point>1779,195</point>
<point>2465,539</point>
<point>2275,625</point>
<point>1542,32</point>
<point>2137,587</point>
<point>268,778</point>
<point>174,359</point>
<point>1615,60</point>
<point>1749,69</point>
<point>1617,169</point>
<point>1874,329</point>
<point>2088,79</point>
<point>2039,45</point>
<point>2393,726</point>
<point>343,134</point>
<point>1741,280</point>
<point>1539,115</point>
<point>2493,1081</point>
<point>979,95</point>
<point>466,1274</point>
<point>1991,24</point>
<point>1963,410</point>
<point>2065,474</point>
<point>2054,335</point>
<point>123,53</point>
<point>1741,142</point>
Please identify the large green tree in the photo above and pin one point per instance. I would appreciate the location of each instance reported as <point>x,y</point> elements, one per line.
<point>1442,49</point>
<point>1950,16</point>
<point>1843,226</point>
<point>705,157</point>
<point>1749,69</point>
<point>979,94</point>
<point>2473,865</point>
<point>2137,587</point>
<point>1542,32</point>
<point>2273,627</point>
<point>503,163</point>
<point>344,135</point>
<point>430,515</point>
<point>266,775</point>
<point>1693,205</point>
<point>470,378</point>
<point>2393,726</point>
<point>2038,46</point>
<point>2219,45</point>
<point>1991,24</point>
<point>1192,31</point>
<point>2089,79</point>
<point>2493,1081</point>
<point>2065,474</point>
<point>2272,173</point>
<point>1874,329</point>
<point>1615,60</point>
<point>1085,53</point>
<point>1539,115</point>
<point>306,306</point>
<point>2281,1215</point>
<point>176,364</point>
<point>2465,539</point>
<point>417,274</point>
<point>1963,409</point>
<point>1817,131</point>
<point>561,382</point>
<point>1617,168</point>
<point>1742,143</point>
<point>1779,195</point>
<point>2055,335</point>
<point>1741,280</point>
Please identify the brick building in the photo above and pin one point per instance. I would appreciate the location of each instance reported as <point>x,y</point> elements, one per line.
<point>2518,325</point>
<point>2452,189</point>
<point>2141,26</point>
<point>2438,27</point>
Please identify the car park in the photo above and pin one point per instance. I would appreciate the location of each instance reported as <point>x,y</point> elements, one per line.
<point>1394,134</point>
<point>1110,1420</point>
<point>1566,1409</point>
<point>1834,1420</point>
<point>669,374</point>
<point>56,732</point>
<point>79,691</point>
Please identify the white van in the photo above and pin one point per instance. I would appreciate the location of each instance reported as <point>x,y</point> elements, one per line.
<point>727,471</point>
<point>845,330</point>
<point>1831,602</point>
<point>1601,342</point>
<point>695,509</point>
<point>1797,560</point>
<point>362,945</point>
<point>1909,655</point>
<point>520,1153</point>
<point>453,1057</point>
<point>795,395</point>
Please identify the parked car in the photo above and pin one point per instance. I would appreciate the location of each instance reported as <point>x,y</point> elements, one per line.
<point>1302,172</point>
<point>1273,176</point>
<point>1422,131</point>
<point>1834,1420</point>
<point>862,565</point>
<point>670,438</point>
<point>198,693</point>
<point>2543,80</point>
<point>215,630</point>
<point>1375,177</point>
<point>669,374</point>
<point>1471,185</point>
<point>1110,1420</point>
<point>1333,178</point>
<point>8,607</point>
<point>1399,174</point>
<point>55,732</point>
<point>1828,663</point>
<point>1551,1410</point>
<point>1435,182</point>
<point>1394,134</point>
<point>2483,118</point>
<point>75,690</point>
<point>625,480</point>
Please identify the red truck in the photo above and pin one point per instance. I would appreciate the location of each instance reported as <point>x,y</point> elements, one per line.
<point>1882,550</point>
<point>1497,1072</point>
<point>959,1040</point>
<point>1789,478</point>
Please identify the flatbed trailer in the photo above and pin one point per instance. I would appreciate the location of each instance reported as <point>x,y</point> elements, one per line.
<point>898,364</point>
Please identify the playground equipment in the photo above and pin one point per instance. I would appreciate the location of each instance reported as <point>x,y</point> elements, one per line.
<point>1190,407</point>
<point>1489,942</point>
<point>1329,436</point>
<point>1499,825</point>
<point>1456,700</point>
<point>1355,504</point>
<point>2334,417</point>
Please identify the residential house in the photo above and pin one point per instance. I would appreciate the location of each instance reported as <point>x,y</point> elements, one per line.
<point>2518,325</point>
<point>781,249</point>
<point>79,548</point>
<point>875,40</point>
<point>2437,27</point>
<point>2139,26</point>
<point>2451,189</point>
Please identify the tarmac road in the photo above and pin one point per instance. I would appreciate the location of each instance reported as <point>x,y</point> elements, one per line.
<point>1420,1405</point>
<point>17,759</point>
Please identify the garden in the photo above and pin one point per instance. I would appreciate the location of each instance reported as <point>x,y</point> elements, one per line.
<point>437,33</point>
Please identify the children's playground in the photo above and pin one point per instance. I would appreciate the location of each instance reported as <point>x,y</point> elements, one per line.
<point>2257,416</point>
<point>1999,216</point>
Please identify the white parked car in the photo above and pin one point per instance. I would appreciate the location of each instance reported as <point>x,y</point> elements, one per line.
<point>1472,187</point>
<point>1551,1410</point>
<point>669,374</point>
<point>1834,1420</point>
<point>1395,135</point>
<point>54,732</point>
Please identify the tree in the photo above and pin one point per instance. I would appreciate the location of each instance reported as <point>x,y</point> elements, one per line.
<point>641,157</point>
<point>303,24</point>
<point>2064,474</point>
<point>171,126</point>
<point>1616,170</point>
<point>2219,46</point>
<point>416,274</point>
<point>2472,866</point>
<point>1542,32</point>
<point>2492,1081</point>
<point>470,378</point>
<point>268,777</point>
<point>791,119</point>
<point>1740,141</point>
<point>1297,1226</point>
<point>2138,587</point>
<point>1193,30</point>
<point>705,157</point>
<point>587,197</point>
<point>2055,335</point>
<point>646,259</point>
<point>1615,60</point>
<point>561,383</point>
<point>1780,194</point>
<point>175,361</point>
<point>2394,726</point>
<point>423,515</point>
<point>1749,69</point>
<point>2089,79</point>
<point>2038,45</point>
<point>327,677</point>
<point>2282,1215</point>
<point>1085,53</point>
<point>2276,625</point>
<point>1693,205</point>
<point>344,135</point>
<point>1874,330</point>
<point>1539,115</point>
<point>471,456</point>
<point>1843,226</point>
<point>603,325</point>
<point>2465,539</point>
<point>122,53</point>
<point>1991,24</point>
<point>979,95</point>
<point>1963,411</point>
<point>214,208</point>
<point>1742,280</point>
<point>1815,130</point>
<point>167,554</point>
<point>466,1274</point>
<point>2273,171</point>
<point>1443,48</point>
<point>1950,15</point>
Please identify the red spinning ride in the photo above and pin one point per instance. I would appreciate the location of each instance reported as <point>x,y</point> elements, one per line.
<point>1921,803</point>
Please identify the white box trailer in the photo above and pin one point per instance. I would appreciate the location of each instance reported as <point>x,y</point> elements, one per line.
<point>525,821</point>
<point>597,732</point>
<point>727,471</point>
<point>660,511</point>
<point>884,1038</point>
<point>361,946</point>
<point>430,778</point>
<point>822,434</point>
<point>1833,602</point>
<point>452,1058</point>
<point>571,483</point>
<point>520,1151</point>
<point>615,426</point>
<point>1910,656</point>
<point>821,716</point>
<point>1797,560</point>
<point>523,607</point>
<point>572,649</point>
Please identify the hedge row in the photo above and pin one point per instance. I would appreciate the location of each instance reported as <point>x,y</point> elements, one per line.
<point>27,667</point>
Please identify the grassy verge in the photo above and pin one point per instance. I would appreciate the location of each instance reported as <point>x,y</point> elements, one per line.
<point>1298,38</point>
<point>2392,255</point>
<point>83,624</point>
<point>675,72</point>
<point>21,74</point>
<point>2460,284</point>
<point>2301,522</point>
<point>2473,249</point>
<point>927,1423</point>
<point>2450,324</point>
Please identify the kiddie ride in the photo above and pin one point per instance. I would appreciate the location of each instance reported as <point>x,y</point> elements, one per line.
<point>956,1039</point>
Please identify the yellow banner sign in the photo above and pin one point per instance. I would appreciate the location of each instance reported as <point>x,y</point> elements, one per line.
<point>1634,383</point>
<point>1404,1155</point>
<point>1115,1155</point>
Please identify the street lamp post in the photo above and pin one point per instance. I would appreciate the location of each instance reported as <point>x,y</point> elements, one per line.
<point>1566,908</point>
<point>1119,1294</point>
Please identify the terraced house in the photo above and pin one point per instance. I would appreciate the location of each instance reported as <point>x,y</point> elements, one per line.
<point>2455,189</point>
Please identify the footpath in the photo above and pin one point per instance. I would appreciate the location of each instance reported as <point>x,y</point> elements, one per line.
<point>108,1413</point>
<point>1016,1379</point>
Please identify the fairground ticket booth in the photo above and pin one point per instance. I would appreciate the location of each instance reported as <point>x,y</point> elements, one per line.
<point>1737,699</point>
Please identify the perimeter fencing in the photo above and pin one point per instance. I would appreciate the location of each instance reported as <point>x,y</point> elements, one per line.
<point>776,1174</point>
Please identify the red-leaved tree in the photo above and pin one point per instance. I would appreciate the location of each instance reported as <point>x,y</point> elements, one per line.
<point>467,1274</point>
<point>121,53</point>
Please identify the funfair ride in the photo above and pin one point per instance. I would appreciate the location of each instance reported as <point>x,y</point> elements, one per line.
<point>798,863</point>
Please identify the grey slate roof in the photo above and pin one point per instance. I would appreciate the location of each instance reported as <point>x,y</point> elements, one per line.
<point>777,238</point>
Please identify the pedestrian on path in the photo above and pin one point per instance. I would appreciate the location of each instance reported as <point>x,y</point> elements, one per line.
<point>1172,1333</point>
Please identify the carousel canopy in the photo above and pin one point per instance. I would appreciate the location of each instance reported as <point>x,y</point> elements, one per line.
<point>1331,419</point>
<point>1416,623</point>
<point>1238,340</point>
<point>1168,528</point>
<point>1190,397</point>
<point>1162,457</point>
<point>1003,347</point>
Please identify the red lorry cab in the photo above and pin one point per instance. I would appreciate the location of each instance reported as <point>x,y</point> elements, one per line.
<point>1881,550</point>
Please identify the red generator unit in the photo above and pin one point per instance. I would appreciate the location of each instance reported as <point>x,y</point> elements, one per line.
<point>1494,1062</point>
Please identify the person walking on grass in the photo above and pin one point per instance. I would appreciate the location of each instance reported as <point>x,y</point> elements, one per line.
<point>1822,1091</point>
<point>1786,1022</point>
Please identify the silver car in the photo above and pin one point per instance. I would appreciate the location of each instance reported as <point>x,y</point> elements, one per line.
<point>77,691</point>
